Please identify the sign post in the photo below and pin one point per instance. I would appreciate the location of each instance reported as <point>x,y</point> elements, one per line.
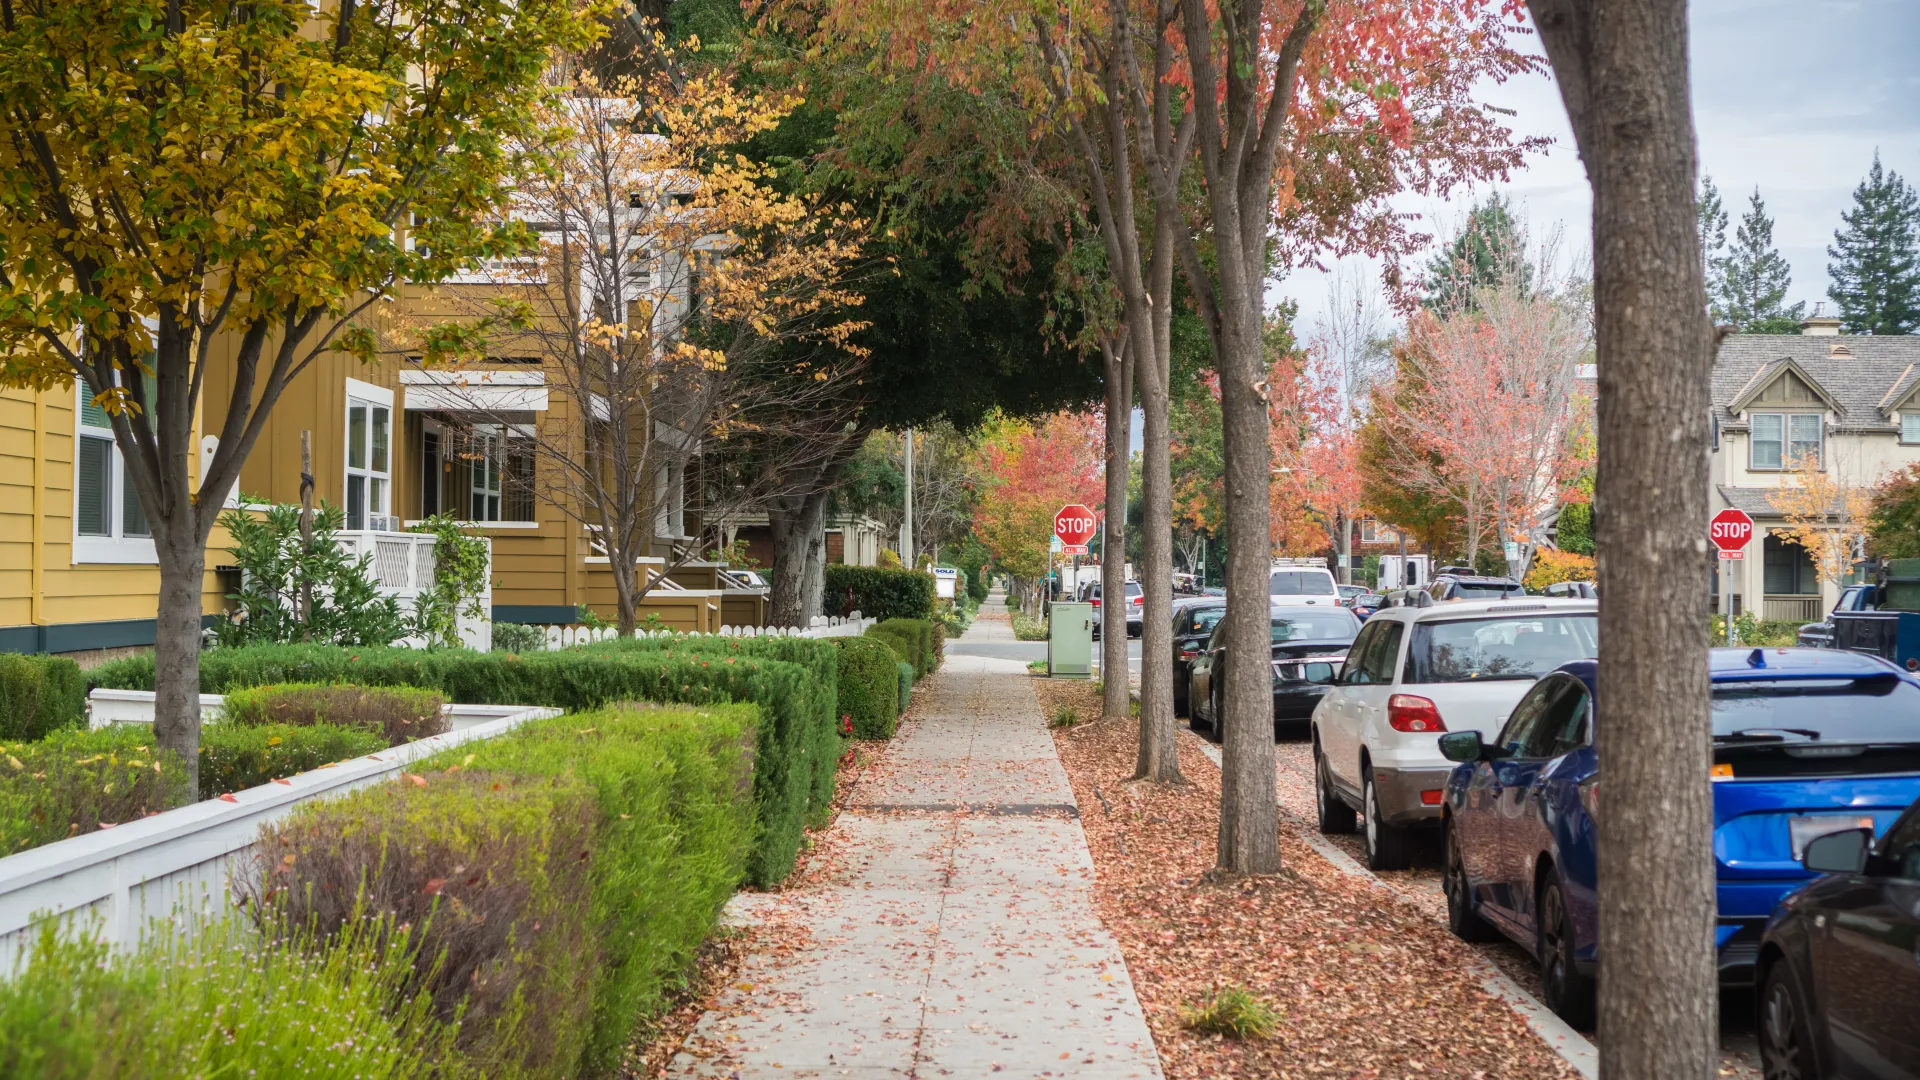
<point>1730,531</point>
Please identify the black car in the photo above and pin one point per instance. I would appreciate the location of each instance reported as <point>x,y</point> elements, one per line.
<point>1839,968</point>
<point>1309,644</point>
<point>1193,622</point>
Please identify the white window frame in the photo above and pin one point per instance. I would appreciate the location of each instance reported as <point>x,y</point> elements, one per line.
<point>115,547</point>
<point>1910,427</point>
<point>379,512</point>
<point>670,501</point>
<point>1786,440</point>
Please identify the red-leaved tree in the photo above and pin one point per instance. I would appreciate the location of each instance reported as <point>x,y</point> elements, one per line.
<point>1029,470</point>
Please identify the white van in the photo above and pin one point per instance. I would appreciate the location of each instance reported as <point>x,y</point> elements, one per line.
<point>1293,583</point>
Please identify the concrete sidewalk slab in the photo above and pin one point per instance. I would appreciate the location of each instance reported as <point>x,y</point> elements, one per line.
<point>957,937</point>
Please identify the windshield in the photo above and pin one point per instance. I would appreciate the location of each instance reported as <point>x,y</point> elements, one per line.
<point>1880,709</point>
<point>1300,583</point>
<point>1467,591</point>
<point>1205,619</point>
<point>1336,624</point>
<point>1509,647</point>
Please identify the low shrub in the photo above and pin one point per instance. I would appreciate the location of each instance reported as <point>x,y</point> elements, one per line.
<point>73,782</point>
<point>491,874</point>
<point>221,1003</point>
<point>902,645</point>
<point>1235,1012</point>
<point>794,680</point>
<point>923,648</point>
<point>518,638</point>
<point>39,695</point>
<point>676,826</point>
<point>235,757</point>
<point>869,686</point>
<point>400,714</point>
<point>878,592</point>
<point>1063,716</point>
<point>906,684</point>
<point>1028,629</point>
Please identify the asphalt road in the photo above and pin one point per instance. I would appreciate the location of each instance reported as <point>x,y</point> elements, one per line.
<point>1024,651</point>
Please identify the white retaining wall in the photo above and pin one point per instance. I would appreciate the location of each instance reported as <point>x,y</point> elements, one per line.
<point>176,864</point>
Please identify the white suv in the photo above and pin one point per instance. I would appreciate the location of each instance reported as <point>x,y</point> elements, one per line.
<point>1291,584</point>
<point>1413,674</point>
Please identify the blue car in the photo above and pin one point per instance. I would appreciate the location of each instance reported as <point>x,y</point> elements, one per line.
<point>1805,742</point>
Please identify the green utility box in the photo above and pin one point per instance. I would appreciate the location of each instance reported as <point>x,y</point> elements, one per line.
<point>1070,641</point>
<point>1903,585</point>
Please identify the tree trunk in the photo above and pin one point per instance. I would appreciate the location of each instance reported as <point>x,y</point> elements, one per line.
<point>1113,548</point>
<point>176,646</point>
<point>624,587</point>
<point>1159,756</point>
<point>798,550</point>
<point>1622,70</point>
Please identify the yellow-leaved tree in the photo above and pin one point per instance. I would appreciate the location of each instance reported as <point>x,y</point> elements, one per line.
<point>1826,515</point>
<point>196,186</point>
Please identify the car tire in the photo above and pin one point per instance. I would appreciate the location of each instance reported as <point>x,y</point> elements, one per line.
<point>1567,992</point>
<point>1194,723</point>
<point>1462,919</point>
<point>1336,817</point>
<point>1386,845</point>
<point>1786,1035</point>
<point>1216,729</point>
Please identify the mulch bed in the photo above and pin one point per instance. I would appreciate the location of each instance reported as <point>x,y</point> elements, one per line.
<point>1366,985</point>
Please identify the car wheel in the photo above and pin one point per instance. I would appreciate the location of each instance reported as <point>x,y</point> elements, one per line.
<point>1567,992</point>
<point>1386,844</point>
<point>1216,718</point>
<point>1194,723</point>
<point>1336,817</point>
<point>1466,923</point>
<point>1786,1040</point>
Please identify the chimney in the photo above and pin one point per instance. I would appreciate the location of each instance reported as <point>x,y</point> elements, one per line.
<point>1820,326</point>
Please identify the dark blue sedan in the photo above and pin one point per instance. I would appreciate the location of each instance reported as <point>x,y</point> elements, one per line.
<point>1805,742</point>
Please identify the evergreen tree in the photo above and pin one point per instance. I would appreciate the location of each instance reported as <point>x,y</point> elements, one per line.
<point>1487,249</point>
<point>1713,227</point>
<point>1876,257</point>
<point>1748,285</point>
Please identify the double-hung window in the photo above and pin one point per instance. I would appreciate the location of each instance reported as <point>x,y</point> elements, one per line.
<point>106,508</point>
<point>1910,427</point>
<point>369,456</point>
<point>1785,440</point>
<point>499,474</point>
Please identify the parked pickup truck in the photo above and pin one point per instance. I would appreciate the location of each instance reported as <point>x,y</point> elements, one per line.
<point>1819,635</point>
<point>1885,619</point>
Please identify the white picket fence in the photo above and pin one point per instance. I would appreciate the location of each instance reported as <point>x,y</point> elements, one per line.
<point>823,626</point>
<point>177,865</point>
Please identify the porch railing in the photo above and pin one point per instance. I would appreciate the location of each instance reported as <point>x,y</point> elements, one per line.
<point>1791,608</point>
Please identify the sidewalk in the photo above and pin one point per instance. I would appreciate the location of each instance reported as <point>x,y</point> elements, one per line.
<point>957,938</point>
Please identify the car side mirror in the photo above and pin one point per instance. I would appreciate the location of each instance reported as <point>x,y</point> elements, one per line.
<point>1843,852</point>
<point>1461,746</point>
<point>1319,673</point>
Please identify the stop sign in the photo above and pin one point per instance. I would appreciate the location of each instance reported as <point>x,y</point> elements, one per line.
<point>1730,530</point>
<point>1073,525</point>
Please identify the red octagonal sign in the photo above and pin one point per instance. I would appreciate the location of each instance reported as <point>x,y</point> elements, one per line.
<point>1073,525</point>
<point>1730,530</point>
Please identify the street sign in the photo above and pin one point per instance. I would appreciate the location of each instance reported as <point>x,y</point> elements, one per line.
<point>1054,545</point>
<point>1074,526</point>
<point>1730,530</point>
<point>1732,556</point>
<point>1512,551</point>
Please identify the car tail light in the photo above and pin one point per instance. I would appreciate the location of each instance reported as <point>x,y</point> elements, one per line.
<point>1432,798</point>
<point>1096,601</point>
<point>1409,712</point>
<point>1590,796</point>
<point>1189,654</point>
<point>1139,599</point>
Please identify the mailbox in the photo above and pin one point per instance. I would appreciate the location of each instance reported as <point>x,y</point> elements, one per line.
<point>1070,641</point>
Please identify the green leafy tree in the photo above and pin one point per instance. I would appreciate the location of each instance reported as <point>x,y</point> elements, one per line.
<point>192,183</point>
<point>1747,286</point>
<point>1893,525</point>
<point>1876,257</point>
<point>298,590</point>
<point>1490,247</point>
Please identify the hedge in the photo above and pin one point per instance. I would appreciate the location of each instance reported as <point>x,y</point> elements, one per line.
<point>878,592</point>
<point>675,831</point>
<point>794,761</point>
<point>39,695</point>
<point>235,757</point>
<point>923,649</point>
<point>906,684</point>
<point>869,686</point>
<point>71,782</point>
<point>399,714</point>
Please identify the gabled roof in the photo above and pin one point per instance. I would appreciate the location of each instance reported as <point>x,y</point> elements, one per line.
<point>1863,387</point>
<point>1767,374</point>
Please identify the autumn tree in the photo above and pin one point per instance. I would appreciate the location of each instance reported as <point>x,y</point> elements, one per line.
<point>192,183</point>
<point>1029,470</point>
<point>1621,66</point>
<point>1827,515</point>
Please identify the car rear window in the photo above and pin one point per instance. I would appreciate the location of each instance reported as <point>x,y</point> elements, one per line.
<point>1206,619</point>
<point>1878,709</point>
<point>1300,583</point>
<point>1335,625</point>
<point>1133,589</point>
<point>1504,647</point>
<point>1484,592</point>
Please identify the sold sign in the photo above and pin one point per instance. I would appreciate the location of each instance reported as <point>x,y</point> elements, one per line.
<point>1074,526</point>
<point>1730,530</point>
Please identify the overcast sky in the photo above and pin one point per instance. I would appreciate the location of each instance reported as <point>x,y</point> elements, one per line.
<point>1792,96</point>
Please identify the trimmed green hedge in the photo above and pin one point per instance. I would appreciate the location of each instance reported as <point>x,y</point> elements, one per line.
<point>906,684</point>
<point>70,782</point>
<point>921,650</point>
<point>235,757</point>
<point>794,680</point>
<point>401,714</point>
<point>869,686</point>
<point>880,593</point>
<point>39,695</point>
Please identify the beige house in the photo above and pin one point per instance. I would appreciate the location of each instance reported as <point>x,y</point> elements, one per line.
<point>1851,403</point>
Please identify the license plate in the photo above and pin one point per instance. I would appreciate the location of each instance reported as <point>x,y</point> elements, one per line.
<point>1803,829</point>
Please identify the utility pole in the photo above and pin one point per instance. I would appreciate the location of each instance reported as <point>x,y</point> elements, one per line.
<point>906,523</point>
